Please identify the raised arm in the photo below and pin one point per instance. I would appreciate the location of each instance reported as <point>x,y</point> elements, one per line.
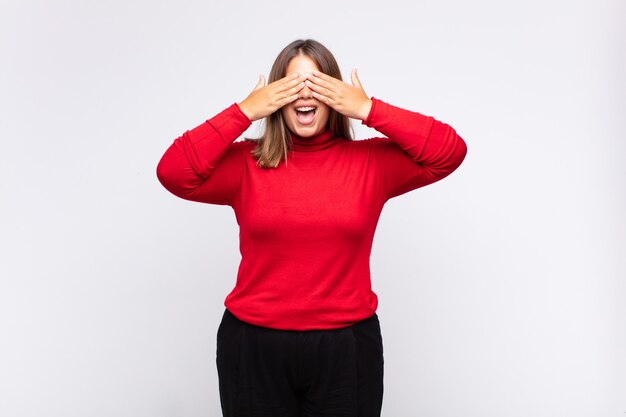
<point>189,167</point>
<point>418,149</point>
<point>204,164</point>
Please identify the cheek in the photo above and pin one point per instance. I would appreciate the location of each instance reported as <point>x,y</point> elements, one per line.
<point>326,114</point>
<point>286,114</point>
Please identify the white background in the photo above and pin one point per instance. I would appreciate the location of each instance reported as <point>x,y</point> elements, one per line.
<point>501,288</point>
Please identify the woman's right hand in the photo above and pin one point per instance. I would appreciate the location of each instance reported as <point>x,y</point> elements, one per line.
<point>266,99</point>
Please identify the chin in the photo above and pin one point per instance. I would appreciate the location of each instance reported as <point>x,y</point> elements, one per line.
<point>306,131</point>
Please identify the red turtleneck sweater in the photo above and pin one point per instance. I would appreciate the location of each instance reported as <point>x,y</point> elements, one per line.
<point>306,227</point>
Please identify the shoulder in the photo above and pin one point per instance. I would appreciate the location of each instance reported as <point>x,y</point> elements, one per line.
<point>244,145</point>
<point>373,144</point>
<point>245,142</point>
<point>365,149</point>
<point>239,150</point>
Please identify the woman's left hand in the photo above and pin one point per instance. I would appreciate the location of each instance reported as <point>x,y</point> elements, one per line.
<point>349,100</point>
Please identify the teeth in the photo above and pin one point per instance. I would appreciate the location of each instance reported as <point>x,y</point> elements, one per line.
<point>305,108</point>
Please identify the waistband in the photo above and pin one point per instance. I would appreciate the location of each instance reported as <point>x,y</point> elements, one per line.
<point>229,315</point>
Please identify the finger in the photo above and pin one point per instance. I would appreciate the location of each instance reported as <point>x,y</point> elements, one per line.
<point>319,89</point>
<point>295,89</point>
<point>324,80</point>
<point>355,79</point>
<point>285,96</point>
<point>285,80</point>
<point>288,78</point>
<point>286,100</point>
<point>325,77</point>
<point>324,99</point>
<point>280,88</point>
<point>261,83</point>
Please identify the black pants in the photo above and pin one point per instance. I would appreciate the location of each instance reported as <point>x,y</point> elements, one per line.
<point>266,372</point>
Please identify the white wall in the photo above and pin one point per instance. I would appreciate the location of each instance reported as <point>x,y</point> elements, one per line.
<point>501,288</point>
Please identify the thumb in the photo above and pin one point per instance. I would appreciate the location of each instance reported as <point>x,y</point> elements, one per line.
<point>261,82</point>
<point>355,79</point>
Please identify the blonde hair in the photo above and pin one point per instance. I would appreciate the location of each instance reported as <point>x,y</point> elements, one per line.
<point>275,141</point>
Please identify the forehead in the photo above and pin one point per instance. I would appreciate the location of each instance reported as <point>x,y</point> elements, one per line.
<point>301,63</point>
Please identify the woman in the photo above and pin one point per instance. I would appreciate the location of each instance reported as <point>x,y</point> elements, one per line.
<point>300,335</point>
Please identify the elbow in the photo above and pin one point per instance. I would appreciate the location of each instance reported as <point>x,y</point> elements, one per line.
<point>460,151</point>
<point>455,149</point>
<point>176,174</point>
<point>446,152</point>
<point>169,177</point>
<point>451,156</point>
<point>165,174</point>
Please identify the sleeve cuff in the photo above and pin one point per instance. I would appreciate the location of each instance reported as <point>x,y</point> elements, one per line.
<point>241,112</point>
<point>367,120</point>
<point>230,122</point>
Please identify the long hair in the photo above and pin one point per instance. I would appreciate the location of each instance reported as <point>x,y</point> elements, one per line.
<point>275,141</point>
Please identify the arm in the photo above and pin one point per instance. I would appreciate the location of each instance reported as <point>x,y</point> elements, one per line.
<point>204,164</point>
<point>419,150</point>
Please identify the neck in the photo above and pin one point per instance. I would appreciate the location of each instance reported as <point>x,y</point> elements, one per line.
<point>317,142</point>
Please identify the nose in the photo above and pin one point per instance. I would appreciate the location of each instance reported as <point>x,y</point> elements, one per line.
<point>305,92</point>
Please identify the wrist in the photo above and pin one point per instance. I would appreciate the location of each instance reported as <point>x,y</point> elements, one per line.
<point>367,107</point>
<point>244,110</point>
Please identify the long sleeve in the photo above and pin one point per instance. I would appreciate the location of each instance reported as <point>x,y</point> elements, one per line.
<point>418,150</point>
<point>205,164</point>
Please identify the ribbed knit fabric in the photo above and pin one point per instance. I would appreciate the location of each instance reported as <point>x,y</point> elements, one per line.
<point>307,227</point>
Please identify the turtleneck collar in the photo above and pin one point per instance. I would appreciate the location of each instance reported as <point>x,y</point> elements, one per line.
<point>313,143</point>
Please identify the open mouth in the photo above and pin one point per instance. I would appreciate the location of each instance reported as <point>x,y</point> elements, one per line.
<point>305,114</point>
